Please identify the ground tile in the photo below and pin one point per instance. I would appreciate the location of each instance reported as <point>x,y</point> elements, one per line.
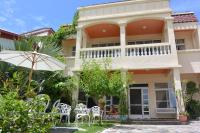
<point>193,127</point>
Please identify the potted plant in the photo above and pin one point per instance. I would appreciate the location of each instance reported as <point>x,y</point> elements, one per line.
<point>183,116</point>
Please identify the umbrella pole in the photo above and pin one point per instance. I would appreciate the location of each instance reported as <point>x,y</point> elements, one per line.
<point>31,72</point>
<point>30,78</point>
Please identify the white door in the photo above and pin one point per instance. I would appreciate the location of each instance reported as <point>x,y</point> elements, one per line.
<point>138,103</point>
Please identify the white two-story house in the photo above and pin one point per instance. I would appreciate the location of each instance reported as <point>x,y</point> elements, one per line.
<point>144,38</point>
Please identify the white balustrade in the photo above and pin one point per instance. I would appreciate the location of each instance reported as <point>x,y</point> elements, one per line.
<point>133,50</point>
<point>148,49</point>
<point>104,52</point>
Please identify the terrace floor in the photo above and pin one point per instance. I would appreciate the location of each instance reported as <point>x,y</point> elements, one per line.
<point>192,127</point>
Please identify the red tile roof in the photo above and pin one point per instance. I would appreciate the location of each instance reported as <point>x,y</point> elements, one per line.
<point>184,17</point>
<point>8,35</point>
<point>39,31</point>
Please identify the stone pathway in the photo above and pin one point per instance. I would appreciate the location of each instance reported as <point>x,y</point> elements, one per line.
<point>193,127</point>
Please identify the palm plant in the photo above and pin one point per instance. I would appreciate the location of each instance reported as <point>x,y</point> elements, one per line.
<point>46,46</point>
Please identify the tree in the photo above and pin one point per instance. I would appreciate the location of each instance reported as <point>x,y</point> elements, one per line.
<point>97,81</point>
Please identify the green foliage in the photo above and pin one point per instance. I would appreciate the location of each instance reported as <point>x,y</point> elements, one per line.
<point>25,44</point>
<point>66,31</point>
<point>15,82</point>
<point>97,81</point>
<point>192,105</point>
<point>13,113</point>
<point>191,89</point>
<point>56,85</point>
<point>48,46</point>
<point>193,108</point>
<point>21,116</point>
<point>123,105</point>
<point>95,128</point>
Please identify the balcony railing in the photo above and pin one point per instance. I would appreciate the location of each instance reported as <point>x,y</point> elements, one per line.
<point>105,52</point>
<point>130,51</point>
<point>148,49</point>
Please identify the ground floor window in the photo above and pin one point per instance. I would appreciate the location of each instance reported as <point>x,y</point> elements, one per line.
<point>87,100</point>
<point>112,105</point>
<point>162,95</point>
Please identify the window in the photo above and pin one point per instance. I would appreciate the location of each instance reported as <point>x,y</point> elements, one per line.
<point>105,44</point>
<point>73,50</point>
<point>87,100</point>
<point>162,95</point>
<point>143,42</point>
<point>180,44</point>
<point>112,102</point>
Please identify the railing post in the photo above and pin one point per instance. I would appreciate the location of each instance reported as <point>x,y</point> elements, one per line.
<point>123,39</point>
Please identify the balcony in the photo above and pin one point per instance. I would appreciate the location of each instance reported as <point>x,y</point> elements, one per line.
<point>130,51</point>
<point>143,56</point>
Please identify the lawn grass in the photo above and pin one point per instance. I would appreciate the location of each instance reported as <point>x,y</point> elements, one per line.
<point>94,128</point>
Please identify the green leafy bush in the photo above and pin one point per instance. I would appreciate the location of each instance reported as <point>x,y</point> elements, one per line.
<point>192,105</point>
<point>193,108</point>
<point>13,113</point>
<point>21,116</point>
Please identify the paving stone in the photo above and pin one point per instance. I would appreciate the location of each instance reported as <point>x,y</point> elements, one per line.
<point>192,127</point>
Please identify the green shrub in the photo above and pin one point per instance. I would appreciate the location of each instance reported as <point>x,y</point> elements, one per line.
<point>13,113</point>
<point>193,108</point>
<point>192,105</point>
<point>21,116</point>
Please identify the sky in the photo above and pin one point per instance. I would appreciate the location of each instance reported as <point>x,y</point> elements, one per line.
<point>25,15</point>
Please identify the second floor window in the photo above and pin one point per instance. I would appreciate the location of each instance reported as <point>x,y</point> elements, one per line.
<point>73,50</point>
<point>143,42</point>
<point>180,44</point>
<point>105,44</point>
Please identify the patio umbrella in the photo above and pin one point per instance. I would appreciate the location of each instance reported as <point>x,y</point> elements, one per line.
<point>32,60</point>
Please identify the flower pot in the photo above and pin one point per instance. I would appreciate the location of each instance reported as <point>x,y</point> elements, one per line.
<point>123,118</point>
<point>183,118</point>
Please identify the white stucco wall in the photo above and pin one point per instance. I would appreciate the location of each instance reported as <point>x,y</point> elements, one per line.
<point>189,60</point>
<point>7,44</point>
<point>188,37</point>
<point>67,47</point>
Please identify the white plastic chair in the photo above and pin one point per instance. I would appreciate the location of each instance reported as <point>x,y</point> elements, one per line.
<point>56,104</point>
<point>65,110</point>
<point>81,111</point>
<point>96,112</point>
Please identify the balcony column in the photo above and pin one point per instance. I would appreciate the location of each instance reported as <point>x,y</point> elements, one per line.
<point>75,92</point>
<point>198,36</point>
<point>79,39</point>
<point>178,90</point>
<point>170,34</point>
<point>123,38</point>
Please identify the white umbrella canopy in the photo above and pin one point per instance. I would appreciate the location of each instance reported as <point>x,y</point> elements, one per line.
<point>27,59</point>
<point>32,60</point>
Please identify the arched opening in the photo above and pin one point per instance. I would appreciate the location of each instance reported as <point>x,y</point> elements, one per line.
<point>101,35</point>
<point>145,31</point>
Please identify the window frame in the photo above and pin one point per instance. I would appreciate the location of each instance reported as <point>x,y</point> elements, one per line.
<point>73,51</point>
<point>180,44</point>
<point>110,100</point>
<point>167,101</point>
